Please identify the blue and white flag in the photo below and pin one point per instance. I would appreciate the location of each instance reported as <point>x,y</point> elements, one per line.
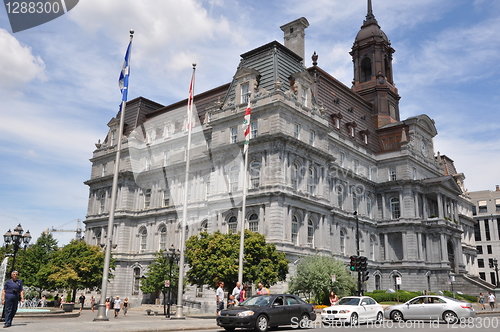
<point>123,81</point>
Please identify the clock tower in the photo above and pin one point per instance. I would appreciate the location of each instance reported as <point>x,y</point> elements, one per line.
<point>373,78</point>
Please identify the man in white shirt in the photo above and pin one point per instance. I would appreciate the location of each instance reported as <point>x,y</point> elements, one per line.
<point>236,291</point>
<point>219,296</point>
<point>491,300</point>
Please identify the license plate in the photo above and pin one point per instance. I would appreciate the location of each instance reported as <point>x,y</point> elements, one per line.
<point>331,317</point>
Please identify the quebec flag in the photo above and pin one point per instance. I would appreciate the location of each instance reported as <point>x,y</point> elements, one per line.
<point>123,80</point>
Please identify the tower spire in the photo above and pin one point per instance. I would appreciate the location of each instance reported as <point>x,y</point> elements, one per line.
<point>370,18</point>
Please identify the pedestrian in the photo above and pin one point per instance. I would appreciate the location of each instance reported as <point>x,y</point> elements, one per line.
<point>262,290</point>
<point>480,300</point>
<point>236,291</point>
<point>108,305</point>
<point>219,296</point>
<point>231,301</point>
<point>56,301</point>
<point>117,306</point>
<point>491,300</point>
<point>92,303</point>
<point>81,299</point>
<point>43,301</point>
<point>12,293</point>
<point>243,293</point>
<point>333,298</point>
<point>125,306</point>
<point>63,300</point>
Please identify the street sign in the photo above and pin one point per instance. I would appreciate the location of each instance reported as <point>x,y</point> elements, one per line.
<point>167,283</point>
<point>334,278</point>
<point>398,280</point>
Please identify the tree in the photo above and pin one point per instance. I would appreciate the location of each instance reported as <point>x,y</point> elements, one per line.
<point>76,266</point>
<point>158,272</point>
<point>314,278</point>
<point>214,257</point>
<point>34,259</point>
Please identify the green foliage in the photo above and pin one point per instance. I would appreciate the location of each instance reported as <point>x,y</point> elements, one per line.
<point>214,257</point>
<point>158,272</point>
<point>469,298</point>
<point>34,259</point>
<point>382,296</point>
<point>313,278</point>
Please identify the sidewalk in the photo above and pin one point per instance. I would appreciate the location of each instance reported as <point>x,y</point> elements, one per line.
<point>136,320</point>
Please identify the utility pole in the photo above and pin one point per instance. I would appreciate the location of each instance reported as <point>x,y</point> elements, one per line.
<point>359,293</point>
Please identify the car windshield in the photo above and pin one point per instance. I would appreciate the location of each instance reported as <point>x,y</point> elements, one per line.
<point>349,301</point>
<point>260,301</point>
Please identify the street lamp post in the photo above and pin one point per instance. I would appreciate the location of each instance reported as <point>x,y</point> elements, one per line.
<point>17,239</point>
<point>173,256</point>
<point>495,266</point>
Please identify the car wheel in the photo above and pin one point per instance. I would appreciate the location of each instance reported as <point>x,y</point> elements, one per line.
<point>304,321</point>
<point>397,316</point>
<point>261,324</point>
<point>354,319</point>
<point>380,317</point>
<point>450,317</point>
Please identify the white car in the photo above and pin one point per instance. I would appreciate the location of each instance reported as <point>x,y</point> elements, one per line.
<point>353,310</point>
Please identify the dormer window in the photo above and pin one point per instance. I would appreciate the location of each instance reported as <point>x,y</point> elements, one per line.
<point>167,132</point>
<point>149,137</point>
<point>245,89</point>
<point>364,135</point>
<point>336,117</point>
<point>351,128</point>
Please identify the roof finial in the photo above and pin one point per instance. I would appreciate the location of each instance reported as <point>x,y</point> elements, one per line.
<point>369,16</point>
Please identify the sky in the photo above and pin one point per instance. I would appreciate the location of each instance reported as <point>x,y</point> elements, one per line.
<point>59,81</point>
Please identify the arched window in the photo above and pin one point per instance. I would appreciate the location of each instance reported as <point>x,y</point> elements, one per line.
<point>204,226</point>
<point>295,230</point>
<point>378,284</point>
<point>294,176</point>
<point>232,225</point>
<point>311,180</point>
<point>163,237</point>
<point>366,70</point>
<point>253,223</point>
<point>143,232</point>
<point>254,174</point>
<point>98,235</point>
<point>310,231</point>
<point>369,206</point>
<point>137,281</point>
<point>342,241</point>
<point>395,208</point>
<point>234,173</point>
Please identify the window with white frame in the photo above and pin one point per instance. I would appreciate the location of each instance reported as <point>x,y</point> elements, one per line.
<point>311,180</point>
<point>167,131</point>
<point>310,232</point>
<point>354,200</point>
<point>294,176</point>
<point>234,134</point>
<point>143,233</point>
<point>204,226</point>
<point>163,237</point>
<point>395,208</point>
<point>232,225</point>
<point>104,169</point>
<point>295,229</point>
<point>337,122</point>
<point>245,89</point>
<point>254,174</point>
<point>150,136</point>
<point>234,173</point>
<point>137,281</point>
<point>372,248</point>
<point>392,173</point>
<point>312,137</point>
<point>166,158</point>
<point>102,202</point>
<point>414,173</point>
<point>147,198</point>
<point>112,141</point>
<point>166,196</point>
<point>342,241</point>
<point>207,185</point>
<point>254,129</point>
<point>356,166</point>
<point>304,96</point>
<point>296,130</point>
<point>340,196</point>
<point>365,138</point>
<point>342,159</point>
<point>369,206</point>
<point>253,222</point>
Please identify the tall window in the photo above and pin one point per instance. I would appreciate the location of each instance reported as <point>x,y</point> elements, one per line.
<point>354,200</point>
<point>498,227</point>
<point>311,180</point>
<point>310,232</point>
<point>312,136</point>
<point>342,241</point>
<point>163,237</point>
<point>254,174</point>
<point>296,130</point>
<point>356,166</point>
<point>479,250</point>
<point>234,134</point>
<point>245,88</point>
<point>342,159</point>
<point>204,226</point>
<point>304,96</point>
<point>254,129</point>
<point>487,229</point>
<point>149,137</point>
<point>112,141</point>
<point>253,223</point>
<point>483,206</point>
<point>147,163</point>
<point>295,229</point>
<point>137,281</point>
<point>166,197</point>
<point>340,196</point>
<point>294,176</point>
<point>166,158</point>
<point>232,225</point>
<point>395,208</point>
<point>477,232</point>
<point>144,238</point>
<point>234,173</point>
<point>102,202</point>
<point>372,248</point>
<point>104,169</point>
<point>167,131</point>
<point>392,173</point>
<point>147,198</point>
<point>207,185</point>
<point>369,206</point>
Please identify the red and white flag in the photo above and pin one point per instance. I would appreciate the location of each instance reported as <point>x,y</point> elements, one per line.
<point>246,126</point>
<point>190,118</point>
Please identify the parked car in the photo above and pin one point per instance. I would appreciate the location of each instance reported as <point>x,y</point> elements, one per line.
<point>430,307</point>
<point>264,311</point>
<point>353,310</point>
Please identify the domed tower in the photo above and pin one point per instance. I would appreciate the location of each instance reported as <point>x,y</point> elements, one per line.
<point>373,80</point>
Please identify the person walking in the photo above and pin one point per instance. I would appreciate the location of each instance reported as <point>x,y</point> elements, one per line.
<point>92,303</point>
<point>117,306</point>
<point>480,300</point>
<point>219,296</point>
<point>11,294</point>
<point>43,301</point>
<point>491,300</point>
<point>125,306</point>
<point>56,301</point>
<point>81,299</point>
<point>333,298</point>
<point>262,290</point>
<point>243,293</point>
<point>236,291</point>
<point>108,305</point>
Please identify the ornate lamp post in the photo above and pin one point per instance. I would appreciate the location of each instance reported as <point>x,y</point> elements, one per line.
<point>173,256</point>
<point>17,239</point>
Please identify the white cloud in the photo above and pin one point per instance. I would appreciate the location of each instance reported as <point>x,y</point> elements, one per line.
<point>18,65</point>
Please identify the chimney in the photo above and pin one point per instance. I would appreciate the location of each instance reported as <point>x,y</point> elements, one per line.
<point>294,36</point>
<point>498,188</point>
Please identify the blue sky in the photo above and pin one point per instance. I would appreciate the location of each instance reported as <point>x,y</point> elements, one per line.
<point>58,81</point>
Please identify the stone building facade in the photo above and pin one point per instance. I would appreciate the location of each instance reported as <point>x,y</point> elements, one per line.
<point>322,157</point>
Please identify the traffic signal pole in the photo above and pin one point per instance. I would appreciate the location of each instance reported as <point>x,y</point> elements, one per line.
<point>359,293</point>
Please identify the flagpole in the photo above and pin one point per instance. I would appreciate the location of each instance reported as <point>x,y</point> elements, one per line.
<point>245,189</point>
<point>101,309</point>
<point>180,287</point>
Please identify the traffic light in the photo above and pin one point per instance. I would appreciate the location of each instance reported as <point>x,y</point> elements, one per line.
<point>363,264</point>
<point>353,264</point>
<point>365,275</point>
